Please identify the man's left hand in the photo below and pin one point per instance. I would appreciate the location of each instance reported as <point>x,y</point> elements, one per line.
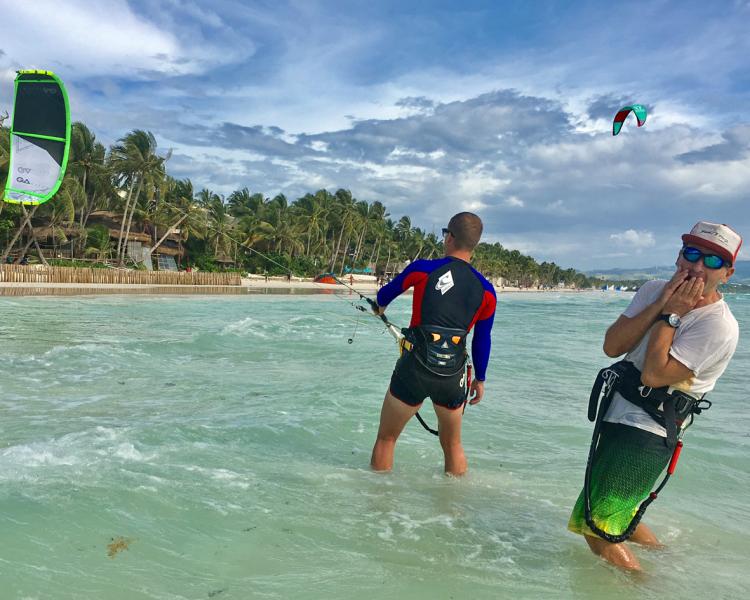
<point>685,297</point>
<point>477,390</point>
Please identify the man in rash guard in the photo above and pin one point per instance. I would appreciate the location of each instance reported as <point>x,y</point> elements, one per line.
<point>450,298</point>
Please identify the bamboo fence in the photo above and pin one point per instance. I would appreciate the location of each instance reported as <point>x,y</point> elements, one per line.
<point>159,290</point>
<point>36,274</point>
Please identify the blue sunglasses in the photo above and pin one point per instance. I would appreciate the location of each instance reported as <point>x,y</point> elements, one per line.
<point>712,261</point>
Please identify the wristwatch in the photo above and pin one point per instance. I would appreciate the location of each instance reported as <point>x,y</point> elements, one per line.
<point>672,320</point>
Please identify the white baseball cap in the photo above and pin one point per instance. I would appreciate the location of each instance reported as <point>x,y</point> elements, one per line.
<point>722,239</point>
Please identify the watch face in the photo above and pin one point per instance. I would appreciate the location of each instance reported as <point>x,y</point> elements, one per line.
<point>674,320</point>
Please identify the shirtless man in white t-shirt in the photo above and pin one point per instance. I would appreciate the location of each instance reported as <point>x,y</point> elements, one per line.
<point>680,335</point>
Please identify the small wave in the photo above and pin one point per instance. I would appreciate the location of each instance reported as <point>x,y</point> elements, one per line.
<point>247,326</point>
<point>404,526</point>
<point>231,478</point>
<point>35,455</point>
<point>305,319</point>
<point>98,348</point>
<point>128,451</point>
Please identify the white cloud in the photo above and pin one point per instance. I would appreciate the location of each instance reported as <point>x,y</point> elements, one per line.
<point>319,146</point>
<point>202,15</point>
<point>399,152</point>
<point>711,179</point>
<point>93,38</point>
<point>478,182</point>
<point>636,239</point>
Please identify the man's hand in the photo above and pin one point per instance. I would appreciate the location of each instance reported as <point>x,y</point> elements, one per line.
<point>677,279</point>
<point>375,307</point>
<point>685,297</point>
<point>477,390</point>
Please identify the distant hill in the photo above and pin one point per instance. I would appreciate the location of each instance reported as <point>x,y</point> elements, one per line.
<point>632,274</point>
<point>741,273</point>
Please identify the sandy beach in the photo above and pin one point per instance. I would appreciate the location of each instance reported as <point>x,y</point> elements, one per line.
<point>364,284</point>
<point>251,284</point>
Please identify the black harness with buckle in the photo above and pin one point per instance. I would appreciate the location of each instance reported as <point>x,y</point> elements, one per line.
<point>668,409</point>
<point>440,350</point>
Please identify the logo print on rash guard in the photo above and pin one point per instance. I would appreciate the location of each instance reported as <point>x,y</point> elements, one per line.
<point>444,283</point>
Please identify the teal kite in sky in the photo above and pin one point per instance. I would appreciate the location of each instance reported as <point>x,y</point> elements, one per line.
<point>39,138</point>
<point>637,109</point>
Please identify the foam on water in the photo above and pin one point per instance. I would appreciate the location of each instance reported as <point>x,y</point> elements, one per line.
<point>226,441</point>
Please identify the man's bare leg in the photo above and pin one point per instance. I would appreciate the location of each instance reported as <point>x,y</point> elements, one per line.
<point>644,536</point>
<point>393,418</point>
<point>449,429</point>
<point>617,554</point>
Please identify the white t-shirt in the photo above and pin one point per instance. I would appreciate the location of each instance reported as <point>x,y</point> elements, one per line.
<point>704,342</point>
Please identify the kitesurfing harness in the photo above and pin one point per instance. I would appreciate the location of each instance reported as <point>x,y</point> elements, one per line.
<point>670,409</point>
<point>440,350</point>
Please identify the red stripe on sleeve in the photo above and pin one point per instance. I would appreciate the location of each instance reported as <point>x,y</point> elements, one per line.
<point>486,309</point>
<point>419,281</point>
<point>412,279</point>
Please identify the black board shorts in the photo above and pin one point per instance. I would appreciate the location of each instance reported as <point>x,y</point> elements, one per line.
<point>411,383</point>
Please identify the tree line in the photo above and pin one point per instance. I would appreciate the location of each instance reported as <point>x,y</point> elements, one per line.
<point>319,232</point>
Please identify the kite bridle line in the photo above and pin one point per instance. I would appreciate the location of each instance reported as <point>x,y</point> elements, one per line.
<point>392,329</point>
<point>236,241</point>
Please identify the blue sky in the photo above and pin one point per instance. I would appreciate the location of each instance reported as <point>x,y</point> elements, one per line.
<point>503,108</point>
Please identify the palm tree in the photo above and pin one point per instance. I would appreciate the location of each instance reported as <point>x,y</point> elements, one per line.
<point>378,215</point>
<point>432,245</point>
<point>289,236</point>
<point>218,223</point>
<point>98,243</point>
<point>4,162</point>
<point>402,229</point>
<point>242,203</point>
<point>364,218</point>
<point>135,163</point>
<point>87,163</point>
<point>176,209</point>
<point>60,211</point>
<point>415,244</point>
<point>346,208</point>
<point>253,230</point>
<point>312,212</point>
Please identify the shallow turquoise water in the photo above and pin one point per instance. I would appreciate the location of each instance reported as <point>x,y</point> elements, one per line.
<point>227,441</point>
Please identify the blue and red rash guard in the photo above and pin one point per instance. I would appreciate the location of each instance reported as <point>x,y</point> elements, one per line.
<point>449,292</point>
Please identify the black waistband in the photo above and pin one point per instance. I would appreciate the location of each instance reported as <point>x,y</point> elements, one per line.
<point>441,350</point>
